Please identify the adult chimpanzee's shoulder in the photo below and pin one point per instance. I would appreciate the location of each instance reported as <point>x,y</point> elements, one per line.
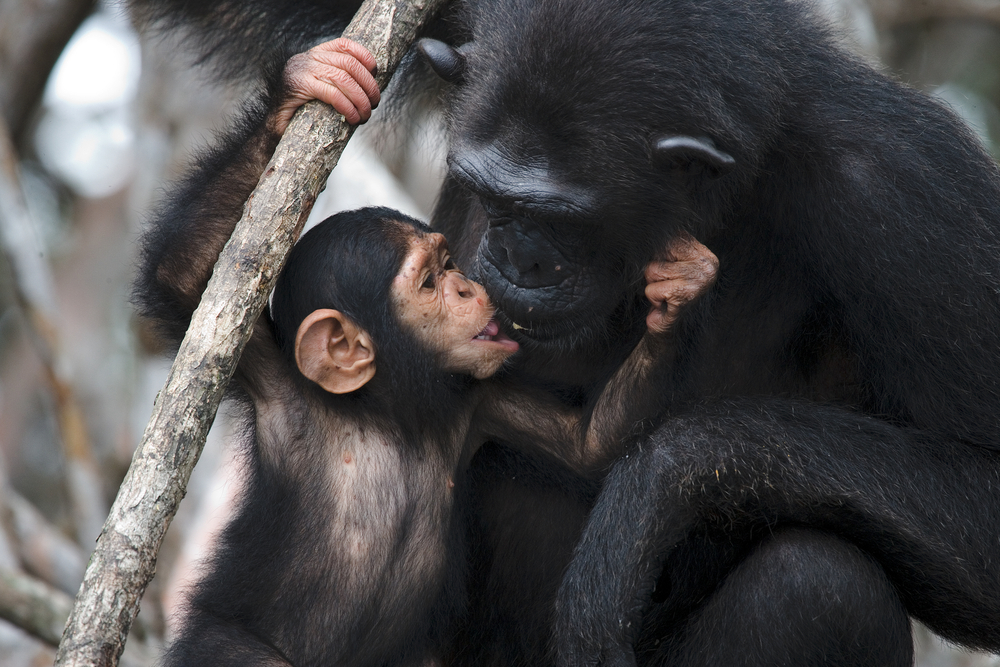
<point>183,238</point>
<point>243,38</point>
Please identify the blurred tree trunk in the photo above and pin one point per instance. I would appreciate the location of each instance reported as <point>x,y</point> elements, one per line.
<point>32,35</point>
<point>33,605</point>
<point>891,12</point>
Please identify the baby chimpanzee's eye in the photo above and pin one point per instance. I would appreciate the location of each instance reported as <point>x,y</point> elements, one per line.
<point>429,282</point>
<point>449,265</point>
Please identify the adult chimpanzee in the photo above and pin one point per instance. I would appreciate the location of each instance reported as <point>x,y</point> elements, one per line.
<point>826,449</point>
<point>360,410</point>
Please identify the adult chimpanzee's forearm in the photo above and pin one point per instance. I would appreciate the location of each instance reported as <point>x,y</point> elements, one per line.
<point>181,246</point>
<point>898,496</point>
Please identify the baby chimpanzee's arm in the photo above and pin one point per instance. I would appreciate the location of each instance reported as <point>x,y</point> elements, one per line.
<point>634,394</point>
<point>181,247</point>
<point>587,440</point>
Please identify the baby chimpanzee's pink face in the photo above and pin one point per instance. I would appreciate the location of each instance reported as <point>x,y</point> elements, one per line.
<point>448,313</point>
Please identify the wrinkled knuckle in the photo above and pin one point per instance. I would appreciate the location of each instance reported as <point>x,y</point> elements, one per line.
<point>340,77</point>
<point>655,270</point>
<point>688,292</point>
<point>343,60</point>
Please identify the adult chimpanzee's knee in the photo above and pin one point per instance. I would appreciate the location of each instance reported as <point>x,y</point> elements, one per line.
<point>802,597</point>
<point>857,225</point>
<point>734,468</point>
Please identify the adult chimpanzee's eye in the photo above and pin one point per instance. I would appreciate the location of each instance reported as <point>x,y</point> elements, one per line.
<point>428,282</point>
<point>495,209</point>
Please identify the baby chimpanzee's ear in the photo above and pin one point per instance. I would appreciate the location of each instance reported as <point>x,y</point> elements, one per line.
<point>334,352</point>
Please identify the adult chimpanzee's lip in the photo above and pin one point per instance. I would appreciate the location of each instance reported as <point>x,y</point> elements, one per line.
<point>533,331</point>
<point>563,313</point>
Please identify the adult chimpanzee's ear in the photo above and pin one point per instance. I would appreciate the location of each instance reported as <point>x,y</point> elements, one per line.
<point>334,352</point>
<point>691,155</point>
<point>446,61</point>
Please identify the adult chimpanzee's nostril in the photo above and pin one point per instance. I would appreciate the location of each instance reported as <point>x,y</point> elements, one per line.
<point>521,258</point>
<point>520,250</point>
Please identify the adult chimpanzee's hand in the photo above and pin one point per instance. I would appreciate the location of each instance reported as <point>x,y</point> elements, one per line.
<point>687,273</point>
<point>339,72</point>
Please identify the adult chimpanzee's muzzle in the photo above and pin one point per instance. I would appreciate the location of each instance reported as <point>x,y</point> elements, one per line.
<point>523,253</point>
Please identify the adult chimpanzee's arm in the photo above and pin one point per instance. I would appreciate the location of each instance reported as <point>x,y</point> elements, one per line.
<point>182,245</point>
<point>180,248</point>
<point>895,494</point>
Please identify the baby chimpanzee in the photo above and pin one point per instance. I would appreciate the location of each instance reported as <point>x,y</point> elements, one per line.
<point>362,409</point>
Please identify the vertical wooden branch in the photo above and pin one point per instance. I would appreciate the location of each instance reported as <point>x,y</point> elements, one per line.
<point>125,558</point>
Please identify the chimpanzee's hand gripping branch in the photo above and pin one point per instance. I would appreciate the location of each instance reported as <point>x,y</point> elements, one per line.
<point>125,556</point>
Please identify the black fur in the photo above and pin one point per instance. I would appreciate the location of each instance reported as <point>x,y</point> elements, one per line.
<point>346,546</point>
<point>272,31</point>
<point>724,475</point>
<point>859,241</point>
<point>859,253</point>
<point>347,543</point>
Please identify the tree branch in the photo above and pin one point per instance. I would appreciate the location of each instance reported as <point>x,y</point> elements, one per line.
<point>42,549</point>
<point>893,12</point>
<point>32,35</point>
<point>33,605</point>
<point>125,558</point>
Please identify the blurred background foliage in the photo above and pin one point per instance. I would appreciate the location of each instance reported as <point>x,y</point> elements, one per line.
<point>95,119</point>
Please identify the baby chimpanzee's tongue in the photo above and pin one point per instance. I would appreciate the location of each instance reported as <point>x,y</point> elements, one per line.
<point>491,329</point>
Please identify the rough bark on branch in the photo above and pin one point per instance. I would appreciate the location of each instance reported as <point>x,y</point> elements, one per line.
<point>41,611</point>
<point>125,557</point>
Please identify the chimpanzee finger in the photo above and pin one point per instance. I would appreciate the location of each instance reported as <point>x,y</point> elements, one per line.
<point>686,248</point>
<point>335,85</point>
<point>659,320</point>
<point>359,76</point>
<point>667,298</point>
<point>672,292</point>
<point>344,103</point>
<point>344,45</point>
<point>331,77</point>
<point>701,272</point>
<point>659,271</point>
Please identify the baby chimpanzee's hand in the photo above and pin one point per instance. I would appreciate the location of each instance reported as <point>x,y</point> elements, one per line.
<point>338,72</point>
<point>686,274</point>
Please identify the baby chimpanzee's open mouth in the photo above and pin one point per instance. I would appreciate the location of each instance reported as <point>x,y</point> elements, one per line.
<point>489,331</point>
<point>496,338</point>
